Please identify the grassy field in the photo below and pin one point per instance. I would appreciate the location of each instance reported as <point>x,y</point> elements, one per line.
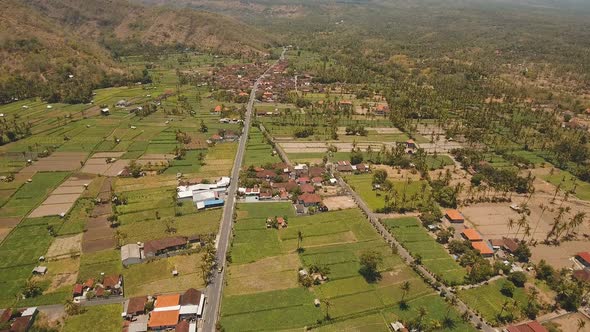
<point>105,318</point>
<point>439,161</point>
<point>156,277</point>
<point>488,300</point>
<point>258,151</point>
<point>334,240</point>
<point>362,184</point>
<point>19,254</point>
<point>435,258</point>
<point>29,195</point>
<point>92,265</point>
<point>567,181</point>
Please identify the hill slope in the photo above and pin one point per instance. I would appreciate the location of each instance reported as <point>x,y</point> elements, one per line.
<point>62,49</point>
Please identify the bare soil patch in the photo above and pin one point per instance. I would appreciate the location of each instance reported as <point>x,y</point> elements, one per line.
<point>63,246</point>
<point>570,322</point>
<point>339,203</point>
<point>58,161</point>
<point>4,233</point>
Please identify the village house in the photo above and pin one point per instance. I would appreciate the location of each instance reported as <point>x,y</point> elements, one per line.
<point>309,199</point>
<point>582,275</point>
<point>361,168</point>
<point>18,320</point>
<point>192,303</point>
<point>307,188</point>
<point>583,258</point>
<point>135,306</point>
<point>381,109</point>
<point>344,166</point>
<point>454,216</point>
<point>317,181</point>
<point>162,246</point>
<point>410,144</point>
<point>483,247</point>
<point>471,235</point>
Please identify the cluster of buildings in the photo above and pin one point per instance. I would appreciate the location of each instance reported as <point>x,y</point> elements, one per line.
<point>276,85</point>
<point>299,183</point>
<point>178,312</point>
<point>17,320</point>
<point>225,136</point>
<point>204,195</point>
<point>237,77</point>
<point>135,253</point>
<point>344,166</point>
<point>487,248</point>
<point>106,286</point>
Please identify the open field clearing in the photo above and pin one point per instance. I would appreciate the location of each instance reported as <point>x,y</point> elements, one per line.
<point>19,255</point>
<point>258,151</point>
<point>334,203</point>
<point>262,278</point>
<point>29,195</point>
<point>488,299</point>
<point>156,277</point>
<point>435,258</point>
<point>415,192</point>
<point>104,318</point>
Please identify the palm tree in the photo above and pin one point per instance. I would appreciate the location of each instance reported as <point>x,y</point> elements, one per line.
<point>452,302</point>
<point>328,305</point>
<point>422,312</point>
<point>581,324</point>
<point>405,287</point>
<point>504,306</point>
<point>299,240</point>
<point>120,238</point>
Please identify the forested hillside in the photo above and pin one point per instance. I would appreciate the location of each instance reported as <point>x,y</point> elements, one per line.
<point>61,50</point>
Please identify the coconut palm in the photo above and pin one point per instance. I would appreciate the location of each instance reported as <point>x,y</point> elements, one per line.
<point>328,305</point>
<point>299,240</point>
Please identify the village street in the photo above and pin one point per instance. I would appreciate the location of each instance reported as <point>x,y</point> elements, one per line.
<point>214,289</point>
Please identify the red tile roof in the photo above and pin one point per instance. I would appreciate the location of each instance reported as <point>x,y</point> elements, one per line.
<point>191,296</point>
<point>163,318</point>
<point>582,275</point>
<point>454,215</point>
<point>78,289</point>
<point>154,246</point>
<point>307,188</point>
<point>310,198</point>
<point>110,281</point>
<point>89,283</point>
<point>167,301</point>
<point>482,247</point>
<point>136,305</point>
<point>585,256</point>
<point>471,234</point>
<point>317,179</point>
<point>183,326</point>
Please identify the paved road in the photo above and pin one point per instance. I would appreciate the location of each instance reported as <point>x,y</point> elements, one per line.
<point>403,253</point>
<point>213,291</point>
